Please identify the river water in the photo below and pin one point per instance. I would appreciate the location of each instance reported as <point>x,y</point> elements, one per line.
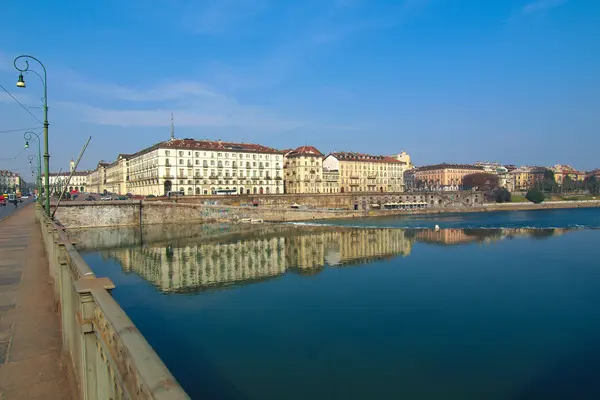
<point>485,308</point>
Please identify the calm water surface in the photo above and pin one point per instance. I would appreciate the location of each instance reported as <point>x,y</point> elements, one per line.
<point>300,312</point>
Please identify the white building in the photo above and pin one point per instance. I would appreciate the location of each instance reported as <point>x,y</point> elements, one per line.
<point>78,182</point>
<point>201,167</point>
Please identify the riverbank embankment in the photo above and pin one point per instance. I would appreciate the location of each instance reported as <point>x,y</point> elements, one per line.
<point>136,213</point>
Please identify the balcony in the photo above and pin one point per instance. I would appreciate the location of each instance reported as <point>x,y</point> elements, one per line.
<point>255,178</point>
<point>167,176</point>
<point>278,178</point>
<point>213,177</point>
<point>268,178</point>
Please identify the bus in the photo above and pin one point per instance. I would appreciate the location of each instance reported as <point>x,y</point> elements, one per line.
<point>224,192</point>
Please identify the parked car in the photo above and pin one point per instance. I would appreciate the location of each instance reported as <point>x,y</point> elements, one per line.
<point>90,198</point>
<point>122,198</point>
<point>105,198</point>
<point>150,196</point>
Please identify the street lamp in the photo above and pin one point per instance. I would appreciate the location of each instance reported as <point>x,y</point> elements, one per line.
<point>21,83</point>
<point>39,176</point>
<point>34,136</point>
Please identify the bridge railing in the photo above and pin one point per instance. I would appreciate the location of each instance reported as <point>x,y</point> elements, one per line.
<point>110,357</point>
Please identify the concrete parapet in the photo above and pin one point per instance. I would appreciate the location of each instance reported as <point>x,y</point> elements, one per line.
<point>111,358</point>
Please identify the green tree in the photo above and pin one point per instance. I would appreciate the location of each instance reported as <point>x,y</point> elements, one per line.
<point>503,196</point>
<point>592,185</point>
<point>568,184</point>
<point>535,196</point>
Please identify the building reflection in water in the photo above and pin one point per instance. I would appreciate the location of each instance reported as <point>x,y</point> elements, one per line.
<point>185,265</point>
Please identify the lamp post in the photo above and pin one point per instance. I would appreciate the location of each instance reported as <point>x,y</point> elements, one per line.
<point>21,83</point>
<point>28,136</point>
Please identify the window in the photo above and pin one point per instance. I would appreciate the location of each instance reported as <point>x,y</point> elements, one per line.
<point>180,161</point>
<point>181,154</point>
<point>167,153</point>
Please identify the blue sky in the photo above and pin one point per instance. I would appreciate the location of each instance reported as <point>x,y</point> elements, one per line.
<point>514,81</point>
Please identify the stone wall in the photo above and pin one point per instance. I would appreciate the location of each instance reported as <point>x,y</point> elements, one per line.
<point>348,201</point>
<point>125,213</point>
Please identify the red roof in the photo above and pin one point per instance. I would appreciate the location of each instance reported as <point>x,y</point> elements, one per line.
<point>360,157</point>
<point>192,144</point>
<point>305,151</point>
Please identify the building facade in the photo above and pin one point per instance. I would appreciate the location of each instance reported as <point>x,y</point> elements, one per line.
<point>303,169</point>
<point>205,167</point>
<point>366,173</point>
<point>97,178</point>
<point>404,157</point>
<point>9,181</point>
<point>563,171</point>
<point>525,178</point>
<point>410,179</point>
<point>444,176</point>
<point>331,180</point>
<point>116,175</point>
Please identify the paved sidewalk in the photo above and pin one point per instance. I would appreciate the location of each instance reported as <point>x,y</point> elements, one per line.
<point>31,366</point>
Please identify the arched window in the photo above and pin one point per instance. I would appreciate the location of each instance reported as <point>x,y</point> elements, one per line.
<point>197,191</point>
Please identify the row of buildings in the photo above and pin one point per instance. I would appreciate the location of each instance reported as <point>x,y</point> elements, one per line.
<point>207,167</point>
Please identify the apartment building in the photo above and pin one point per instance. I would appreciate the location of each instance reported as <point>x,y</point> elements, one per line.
<point>444,176</point>
<point>203,167</point>
<point>366,173</point>
<point>116,175</point>
<point>562,171</point>
<point>9,181</point>
<point>304,170</point>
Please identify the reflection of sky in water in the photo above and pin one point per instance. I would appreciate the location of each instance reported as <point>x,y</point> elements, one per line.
<point>572,218</point>
<point>483,317</point>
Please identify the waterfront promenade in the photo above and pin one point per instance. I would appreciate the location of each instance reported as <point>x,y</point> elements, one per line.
<point>31,363</point>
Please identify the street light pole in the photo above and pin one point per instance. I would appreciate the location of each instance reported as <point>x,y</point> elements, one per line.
<point>28,136</point>
<point>21,83</point>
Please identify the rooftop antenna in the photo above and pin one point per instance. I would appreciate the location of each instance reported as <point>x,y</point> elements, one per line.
<point>172,127</point>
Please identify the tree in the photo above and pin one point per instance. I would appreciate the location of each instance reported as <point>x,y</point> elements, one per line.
<point>568,183</point>
<point>535,196</point>
<point>592,184</point>
<point>503,196</point>
<point>480,181</point>
<point>549,176</point>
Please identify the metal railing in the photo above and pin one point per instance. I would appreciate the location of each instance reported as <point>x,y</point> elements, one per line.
<point>111,359</point>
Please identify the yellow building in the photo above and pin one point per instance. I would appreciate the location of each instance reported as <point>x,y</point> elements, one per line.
<point>404,157</point>
<point>366,173</point>
<point>444,176</point>
<point>303,168</point>
<point>96,179</point>
<point>562,171</point>
<point>331,180</point>
<point>525,178</point>
<point>116,175</point>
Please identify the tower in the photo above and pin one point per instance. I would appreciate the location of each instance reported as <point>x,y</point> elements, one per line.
<point>172,127</point>
<point>72,165</point>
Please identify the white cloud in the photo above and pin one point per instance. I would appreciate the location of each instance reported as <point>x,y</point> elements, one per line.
<point>220,17</point>
<point>163,92</point>
<point>540,5</point>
